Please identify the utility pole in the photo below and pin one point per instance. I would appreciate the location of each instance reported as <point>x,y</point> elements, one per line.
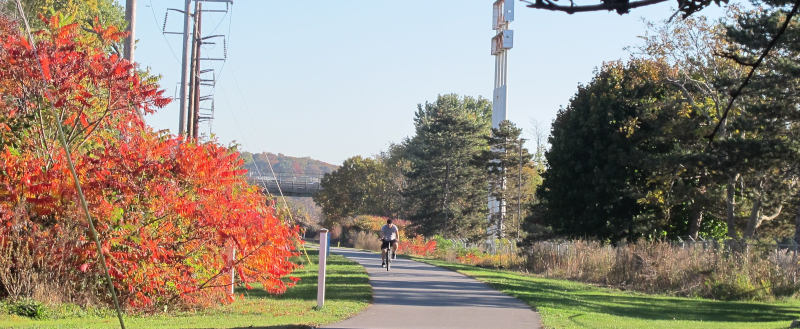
<point>502,14</point>
<point>191,69</point>
<point>192,97</point>
<point>198,28</point>
<point>186,60</point>
<point>130,40</point>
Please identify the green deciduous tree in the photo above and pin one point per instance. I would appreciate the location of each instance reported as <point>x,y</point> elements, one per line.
<point>687,179</point>
<point>361,186</point>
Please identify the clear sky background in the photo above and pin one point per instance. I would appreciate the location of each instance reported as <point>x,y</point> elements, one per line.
<point>334,79</point>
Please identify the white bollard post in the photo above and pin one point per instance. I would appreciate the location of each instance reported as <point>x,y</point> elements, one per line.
<point>323,255</point>
<point>233,270</point>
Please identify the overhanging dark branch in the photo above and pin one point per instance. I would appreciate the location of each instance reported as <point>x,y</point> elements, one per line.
<point>621,7</point>
<point>736,58</point>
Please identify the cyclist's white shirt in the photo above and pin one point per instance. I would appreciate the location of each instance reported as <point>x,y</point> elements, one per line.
<point>389,232</point>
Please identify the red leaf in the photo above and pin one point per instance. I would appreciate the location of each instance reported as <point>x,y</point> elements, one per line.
<point>84,122</point>
<point>45,64</point>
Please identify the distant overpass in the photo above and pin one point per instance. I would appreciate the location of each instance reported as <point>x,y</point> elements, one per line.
<point>301,185</point>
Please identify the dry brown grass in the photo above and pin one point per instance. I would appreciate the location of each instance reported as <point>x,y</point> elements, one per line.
<point>366,240</point>
<point>661,267</point>
<point>29,271</point>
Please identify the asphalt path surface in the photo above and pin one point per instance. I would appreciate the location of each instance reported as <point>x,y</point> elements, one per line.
<point>418,295</point>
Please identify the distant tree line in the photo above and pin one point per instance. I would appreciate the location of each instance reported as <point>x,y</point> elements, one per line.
<point>259,164</point>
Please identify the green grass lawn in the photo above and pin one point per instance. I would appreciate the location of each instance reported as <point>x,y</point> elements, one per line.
<point>348,292</point>
<point>567,304</point>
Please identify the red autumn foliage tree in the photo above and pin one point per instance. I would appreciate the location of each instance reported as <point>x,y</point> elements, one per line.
<point>166,209</point>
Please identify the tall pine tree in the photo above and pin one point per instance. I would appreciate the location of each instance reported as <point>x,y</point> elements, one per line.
<point>766,138</point>
<point>505,161</point>
<point>446,187</point>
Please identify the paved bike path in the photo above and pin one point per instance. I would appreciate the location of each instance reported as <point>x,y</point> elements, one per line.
<point>419,295</point>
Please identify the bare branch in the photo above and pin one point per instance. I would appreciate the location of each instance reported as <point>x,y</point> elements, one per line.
<point>773,216</point>
<point>685,91</point>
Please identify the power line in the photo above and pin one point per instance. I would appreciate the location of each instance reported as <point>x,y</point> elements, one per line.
<point>271,169</point>
<point>230,20</point>
<point>155,21</point>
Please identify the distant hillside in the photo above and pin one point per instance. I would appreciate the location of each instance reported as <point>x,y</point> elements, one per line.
<point>284,164</point>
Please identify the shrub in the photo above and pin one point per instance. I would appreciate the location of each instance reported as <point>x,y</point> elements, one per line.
<point>417,246</point>
<point>369,223</point>
<point>27,308</point>
<point>469,258</point>
<point>367,241</point>
<point>738,288</point>
<point>167,209</point>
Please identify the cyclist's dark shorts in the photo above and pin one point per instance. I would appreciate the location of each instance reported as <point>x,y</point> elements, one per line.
<point>386,243</point>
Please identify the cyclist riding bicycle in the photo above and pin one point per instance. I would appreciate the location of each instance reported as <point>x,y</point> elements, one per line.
<point>389,236</point>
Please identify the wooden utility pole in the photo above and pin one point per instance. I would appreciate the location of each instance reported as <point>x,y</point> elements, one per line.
<point>185,63</point>
<point>191,68</point>
<point>198,35</point>
<point>130,40</point>
<point>193,96</point>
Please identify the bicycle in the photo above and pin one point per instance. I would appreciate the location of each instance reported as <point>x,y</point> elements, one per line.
<point>386,257</point>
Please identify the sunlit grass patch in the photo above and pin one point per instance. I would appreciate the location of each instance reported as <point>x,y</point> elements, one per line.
<point>348,292</point>
<point>567,304</point>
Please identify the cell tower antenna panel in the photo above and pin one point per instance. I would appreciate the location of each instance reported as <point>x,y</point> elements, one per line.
<point>503,41</point>
<point>503,13</point>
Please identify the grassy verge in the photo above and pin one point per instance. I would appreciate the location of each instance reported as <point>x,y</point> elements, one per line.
<point>567,304</point>
<point>348,292</point>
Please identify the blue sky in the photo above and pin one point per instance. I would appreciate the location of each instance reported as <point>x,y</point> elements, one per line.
<point>334,79</point>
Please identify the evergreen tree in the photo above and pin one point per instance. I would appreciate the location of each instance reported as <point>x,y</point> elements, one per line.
<point>767,138</point>
<point>504,162</point>
<point>446,187</point>
<point>603,150</point>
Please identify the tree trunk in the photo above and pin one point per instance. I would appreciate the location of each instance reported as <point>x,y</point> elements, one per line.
<point>797,226</point>
<point>444,198</point>
<point>694,223</point>
<point>752,220</point>
<point>729,200</point>
<point>501,203</point>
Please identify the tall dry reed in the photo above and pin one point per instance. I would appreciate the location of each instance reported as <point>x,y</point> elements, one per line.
<point>714,271</point>
<point>366,240</point>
